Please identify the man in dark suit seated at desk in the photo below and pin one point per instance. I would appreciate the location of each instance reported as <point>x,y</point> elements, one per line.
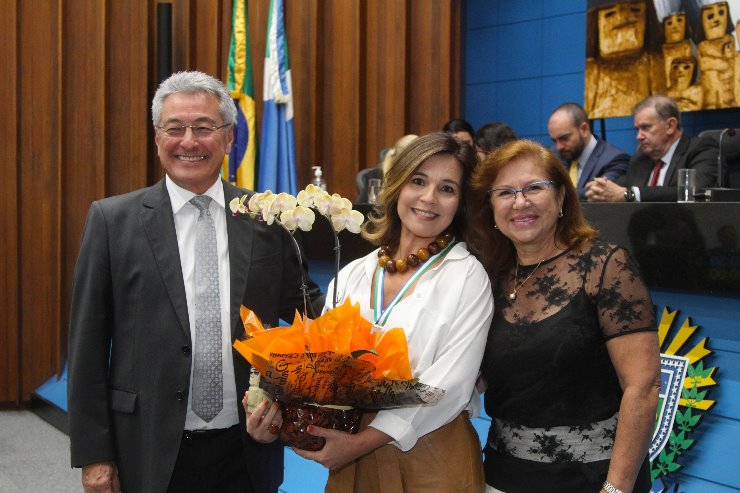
<point>664,149</point>
<point>583,155</point>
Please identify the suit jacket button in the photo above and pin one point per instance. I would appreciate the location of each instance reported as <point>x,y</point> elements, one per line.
<point>179,394</point>
<point>186,350</point>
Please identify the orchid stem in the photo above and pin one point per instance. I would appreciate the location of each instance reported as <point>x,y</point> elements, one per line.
<point>337,253</point>
<point>304,283</point>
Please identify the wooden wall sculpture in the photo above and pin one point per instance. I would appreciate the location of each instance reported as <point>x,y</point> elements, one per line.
<point>77,83</point>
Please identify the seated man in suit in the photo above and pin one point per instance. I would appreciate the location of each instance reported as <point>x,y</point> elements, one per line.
<point>664,149</point>
<point>582,153</point>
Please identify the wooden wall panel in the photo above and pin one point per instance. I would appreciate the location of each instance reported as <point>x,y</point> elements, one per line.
<point>79,77</point>
<point>128,123</point>
<point>82,167</point>
<point>339,59</point>
<point>41,200</point>
<point>431,79</point>
<point>9,272</point>
<point>301,20</point>
<point>386,57</point>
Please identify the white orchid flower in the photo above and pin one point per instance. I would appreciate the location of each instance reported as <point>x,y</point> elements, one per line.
<point>306,198</point>
<point>276,205</point>
<point>257,201</point>
<point>323,203</point>
<point>299,218</point>
<point>265,205</point>
<point>347,219</point>
<point>237,205</point>
<point>283,202</point>
<point>338,203</point>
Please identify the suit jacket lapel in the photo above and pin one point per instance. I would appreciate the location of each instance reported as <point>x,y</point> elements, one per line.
<point>643,169</point>
<point>159,226</point>
<point>590,166</point>
<point>239,229</point>
<point>678,157</point>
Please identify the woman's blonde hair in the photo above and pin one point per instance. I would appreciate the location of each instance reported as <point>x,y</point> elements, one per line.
<point>384,225</point>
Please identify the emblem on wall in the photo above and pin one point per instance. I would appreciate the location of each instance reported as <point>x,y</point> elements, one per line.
<point>686,49</point>
<point>684,397</point>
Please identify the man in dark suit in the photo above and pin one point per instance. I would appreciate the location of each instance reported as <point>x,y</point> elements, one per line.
<point>137,329</point>
<point>664,149</point>
<point>583,155</point>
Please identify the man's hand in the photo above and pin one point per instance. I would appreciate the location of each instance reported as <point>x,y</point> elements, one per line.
<point>101,477</point>
<point>602,190</point>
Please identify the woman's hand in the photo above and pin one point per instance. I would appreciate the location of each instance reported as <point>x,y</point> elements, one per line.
<point>263,425</point>
<point>341,448</point>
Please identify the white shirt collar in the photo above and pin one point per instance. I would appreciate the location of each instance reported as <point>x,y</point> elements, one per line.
<point>179,196</point>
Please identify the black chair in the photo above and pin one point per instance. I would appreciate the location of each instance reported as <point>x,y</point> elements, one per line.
<point>729,154</point>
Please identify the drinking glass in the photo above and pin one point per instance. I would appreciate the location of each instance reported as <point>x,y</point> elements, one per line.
<point>373,189</point>
<point>686,185</point>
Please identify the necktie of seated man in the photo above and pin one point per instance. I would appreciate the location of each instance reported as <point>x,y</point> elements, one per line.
<point>207,392</point>
<point>573,172</point>
<point>656,173</point>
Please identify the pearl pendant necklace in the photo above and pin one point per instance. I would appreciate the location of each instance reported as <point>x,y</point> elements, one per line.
<point>512,295</point>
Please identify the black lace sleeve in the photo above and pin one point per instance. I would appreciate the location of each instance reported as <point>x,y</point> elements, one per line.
<point>623,300</point>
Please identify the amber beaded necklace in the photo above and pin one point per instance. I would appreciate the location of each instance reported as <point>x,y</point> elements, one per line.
<point>412,260</point>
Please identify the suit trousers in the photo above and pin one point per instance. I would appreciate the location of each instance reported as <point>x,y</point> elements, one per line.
<point>211,462</point>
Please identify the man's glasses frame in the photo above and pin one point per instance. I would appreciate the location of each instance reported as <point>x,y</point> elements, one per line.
<point>200,130</point>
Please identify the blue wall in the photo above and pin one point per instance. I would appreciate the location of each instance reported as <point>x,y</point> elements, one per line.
<point>523,58</point>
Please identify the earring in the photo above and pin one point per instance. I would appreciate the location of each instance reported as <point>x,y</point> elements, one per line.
<point>561,213</point>
<point>495,226</point>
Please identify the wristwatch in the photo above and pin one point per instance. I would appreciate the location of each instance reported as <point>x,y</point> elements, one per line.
<point>629,195</point>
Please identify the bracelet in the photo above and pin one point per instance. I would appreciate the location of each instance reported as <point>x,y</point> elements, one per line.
<point>610,488</point>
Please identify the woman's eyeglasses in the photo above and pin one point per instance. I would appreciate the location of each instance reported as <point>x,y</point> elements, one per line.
<point>529,191</point>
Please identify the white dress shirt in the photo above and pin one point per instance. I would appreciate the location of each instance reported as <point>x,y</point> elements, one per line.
<point>186,215</point>
<point>446,320</point>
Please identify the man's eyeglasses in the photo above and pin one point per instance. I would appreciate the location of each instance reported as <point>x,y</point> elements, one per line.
<point>529,192</point>
<point>201,130</point>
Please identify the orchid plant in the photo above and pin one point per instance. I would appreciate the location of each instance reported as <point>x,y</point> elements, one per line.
<point>294,213</point>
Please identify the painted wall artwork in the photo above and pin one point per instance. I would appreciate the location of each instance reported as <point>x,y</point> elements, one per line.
<point>687,49</point>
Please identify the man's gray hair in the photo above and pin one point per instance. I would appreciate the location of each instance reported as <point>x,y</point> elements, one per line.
<point>665,106</point>
<point>191,83</point>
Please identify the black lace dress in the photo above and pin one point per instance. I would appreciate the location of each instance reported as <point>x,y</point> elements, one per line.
<point>553,393</point>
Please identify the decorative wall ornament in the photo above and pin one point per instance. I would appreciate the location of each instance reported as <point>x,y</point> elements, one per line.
<point>683,48</point>
<point>684,397</point>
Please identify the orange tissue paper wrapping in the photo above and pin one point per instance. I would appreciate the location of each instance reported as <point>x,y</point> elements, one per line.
<point>336,359</point>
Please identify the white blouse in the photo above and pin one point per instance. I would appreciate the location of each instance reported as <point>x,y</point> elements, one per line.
<point>446,320</point>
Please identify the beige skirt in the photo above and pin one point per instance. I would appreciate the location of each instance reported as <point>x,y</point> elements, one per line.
<point>446,460</point>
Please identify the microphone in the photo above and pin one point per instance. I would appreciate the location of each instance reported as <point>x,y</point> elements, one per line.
<point>731,133</point>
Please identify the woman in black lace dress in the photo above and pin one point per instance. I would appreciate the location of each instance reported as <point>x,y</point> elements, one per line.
<point>572,359</point>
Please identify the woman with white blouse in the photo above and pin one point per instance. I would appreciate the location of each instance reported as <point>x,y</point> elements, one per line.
<point>423,279</point>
